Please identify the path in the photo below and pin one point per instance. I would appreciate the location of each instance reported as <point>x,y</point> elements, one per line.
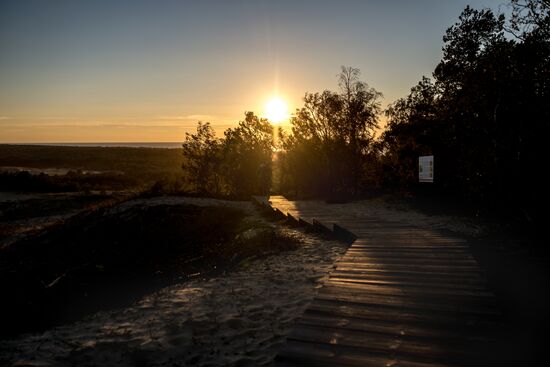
<point>402,295</point>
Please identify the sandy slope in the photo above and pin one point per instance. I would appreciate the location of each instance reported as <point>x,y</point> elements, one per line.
<point>236,319</point>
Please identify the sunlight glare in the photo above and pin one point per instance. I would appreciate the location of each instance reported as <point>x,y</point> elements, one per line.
<point>276,110</point>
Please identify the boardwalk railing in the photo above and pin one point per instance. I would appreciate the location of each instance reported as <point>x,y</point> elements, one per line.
<point>336,231</point>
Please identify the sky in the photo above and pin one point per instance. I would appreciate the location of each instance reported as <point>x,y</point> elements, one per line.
<point>147,71</point>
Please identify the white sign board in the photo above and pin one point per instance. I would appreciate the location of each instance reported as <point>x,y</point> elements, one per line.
<point>426,168</point>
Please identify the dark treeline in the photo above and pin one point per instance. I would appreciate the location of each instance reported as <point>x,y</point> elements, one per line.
<point>72,181</point>
<point>484,116</point>
<point>88,168</point>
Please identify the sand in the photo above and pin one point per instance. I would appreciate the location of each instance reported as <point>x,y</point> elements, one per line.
<point>235,319</point>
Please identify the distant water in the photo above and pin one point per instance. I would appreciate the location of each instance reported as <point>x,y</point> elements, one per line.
<point>169,145</point>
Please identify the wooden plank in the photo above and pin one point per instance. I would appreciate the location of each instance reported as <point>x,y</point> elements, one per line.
<point>412,231</point>
<point>407,289</point>
<point>402,346</point>
<point>434,257</point>
<point>405,236</point>
<point>389,249</point>
<point>417,274</point>
<point>395,263</point>
<point>433,295</point>
<point>397,243</point>
<point>407,282</point>
<point>375,249</point>
<point>384,274</point>
<point>399,266</point>
<point>367,237</point>
<point>398,258</point>
<point>419,249</point>
<point>411,260</point>
<point>434,264</point>
<point>300,353</point>
<point>400,301</point>
<point>446,261</point>
<point>455,321</point>
<point>397,328</point>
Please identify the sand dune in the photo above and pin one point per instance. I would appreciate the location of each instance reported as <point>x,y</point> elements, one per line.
<point>238,319</point>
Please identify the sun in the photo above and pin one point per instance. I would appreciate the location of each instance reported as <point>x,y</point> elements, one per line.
<point>276,110</point>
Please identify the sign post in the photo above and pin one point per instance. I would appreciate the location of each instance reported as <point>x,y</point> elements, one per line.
<point>426,168</point>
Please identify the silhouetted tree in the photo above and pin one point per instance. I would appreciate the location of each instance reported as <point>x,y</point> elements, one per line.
<point>409,133</point>
<point>247,151</point>
<point>530,18</point>
<point>330,137</point>
<point>202,159</point>
<point>486,116</point>
<point>238,165</point>
<point>361,108</point>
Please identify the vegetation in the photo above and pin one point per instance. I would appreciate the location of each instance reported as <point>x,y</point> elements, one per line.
<point>331,139</point>
<point>109,256</point>
<point>72,181</point>
<point>114,168</point>
<point>239,165</point>
<point>485,116</point>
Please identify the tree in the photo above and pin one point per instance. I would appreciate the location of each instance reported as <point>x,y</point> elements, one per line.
<point>530,18</point>
<point>239,165</point>
<point>247,151</point>
<point>473,35</point>
<point>410,133</point>
<point>331,135</point>
<point>486,116</point>
<point>361,108</point>
<point>202,159</point>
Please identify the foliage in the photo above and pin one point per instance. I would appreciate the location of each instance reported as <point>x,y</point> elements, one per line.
<point>247,151</point>
<point>530,19</point>
<point>88,168</point>
<point>331,136</point>
<point>202,152</point>
<point>408,135</point>
<point>239,165</point>
<point>485,118</point>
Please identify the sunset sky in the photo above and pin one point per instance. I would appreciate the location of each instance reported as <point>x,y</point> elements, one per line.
<point>122,71</point>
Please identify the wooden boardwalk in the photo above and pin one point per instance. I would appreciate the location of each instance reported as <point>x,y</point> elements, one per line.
<point>400,296</point>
